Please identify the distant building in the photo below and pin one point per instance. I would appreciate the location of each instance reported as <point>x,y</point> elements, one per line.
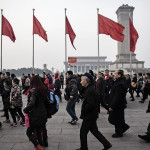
<point>83,64</point>
<point>123,56</point>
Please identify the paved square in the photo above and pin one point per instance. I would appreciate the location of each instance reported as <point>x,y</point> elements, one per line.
<point>62,136</point>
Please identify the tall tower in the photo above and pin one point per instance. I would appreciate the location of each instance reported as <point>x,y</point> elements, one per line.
<point>123,56</point>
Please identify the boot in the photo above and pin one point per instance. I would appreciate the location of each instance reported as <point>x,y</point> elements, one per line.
<point>148,109</point>
<point>146,138</point>
<point>39,147</point>
<point>148,130</point>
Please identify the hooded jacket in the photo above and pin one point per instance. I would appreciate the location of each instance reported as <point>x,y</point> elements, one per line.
<point>71,88</point>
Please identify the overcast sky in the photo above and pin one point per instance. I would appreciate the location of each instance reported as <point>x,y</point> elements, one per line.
<point>82,15</point>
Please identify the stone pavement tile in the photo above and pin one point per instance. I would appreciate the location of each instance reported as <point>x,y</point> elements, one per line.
<point>112,130</point>
<point>63,138</point>
<point>55,120</point>
<point>145,123</point>
<point>134,124</point>
<point>66,132</point>
<point>52,146</point>
<point>62,126</point>
<point>14,130</point>
<point>14,138</point>
<point>130,148</point>
<point>53,131</point>
<point>73,146</point>
<point>139,129</point>
<point>8,146</point>
<point>128,137</point>
<point>29,146</point>
<point>23,146</point>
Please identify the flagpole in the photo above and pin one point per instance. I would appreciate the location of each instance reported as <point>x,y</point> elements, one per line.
<point>33,45</point>
<point>130,50</point>
<point>98,37</point>
<point>65,44</point>
<point>1,38</point>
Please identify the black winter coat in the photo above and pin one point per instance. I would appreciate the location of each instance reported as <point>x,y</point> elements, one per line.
<point>118,95</point>
<point>6,97</point>
<point>71,88</point>
<point>1,85</point>
<point>57,84</point>
<point>36,110</point>
<point>100,86</point>
<point>128,83</point>
<point>10,82</point>
<point>90,105</point>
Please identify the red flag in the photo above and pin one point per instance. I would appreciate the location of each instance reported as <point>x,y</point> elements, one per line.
<point>109,27</point>
<point>72,59</point>
<point>133,36</point>
<point>70,31</point>
<point>38,29</point>
<point>7,29</point>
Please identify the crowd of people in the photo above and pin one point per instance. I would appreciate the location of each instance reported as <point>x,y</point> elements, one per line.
<point>104,89</point>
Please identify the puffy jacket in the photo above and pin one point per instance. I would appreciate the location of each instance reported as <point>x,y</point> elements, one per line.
<point>71,88</point>
<point>6,97</point>
<point>16,96</point>
<point>36,110</point>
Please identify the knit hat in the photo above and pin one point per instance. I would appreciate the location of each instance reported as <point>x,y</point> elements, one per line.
<point>89,76</point>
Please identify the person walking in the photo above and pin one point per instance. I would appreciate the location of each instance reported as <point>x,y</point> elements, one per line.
<point>46,82</point>
<point>27,83</point>
<point>89,114</point>
<point>146,137</point>
<point>71,96</point>
<point>139,84</point>
<point>133,86</point>
<point>62,80</point>
<point>146,90</point>
<point>57,86</point>
<point>37,112</point>
<point>117,105</point>
<point>16,103</point>
<point>100,90</point>
<point>6,100</point>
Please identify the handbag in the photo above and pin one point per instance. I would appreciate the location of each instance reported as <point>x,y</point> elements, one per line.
<point>27,120</point>
<point>133,84</point>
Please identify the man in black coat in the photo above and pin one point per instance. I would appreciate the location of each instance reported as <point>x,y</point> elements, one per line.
<point>100,89</point>
<point>71,95</point>
<point>89,114</point>
<point>117,105</point>
<point>7,77</point>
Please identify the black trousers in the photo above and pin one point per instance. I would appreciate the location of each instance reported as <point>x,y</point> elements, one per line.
<point>131,91</point>
<point>138,91</point>
<point>57,92</point>
<point>62,84</point>
<point>6,113</point>
<point>13,114</point>
<point>145,93</point>
<point>102,101</point>
<point>32,138</point>
<point>91,126</point>
<point>116,118</point>
<point>106,97</point>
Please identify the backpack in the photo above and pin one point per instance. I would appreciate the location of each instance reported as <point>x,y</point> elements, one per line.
<point>53,105</point>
